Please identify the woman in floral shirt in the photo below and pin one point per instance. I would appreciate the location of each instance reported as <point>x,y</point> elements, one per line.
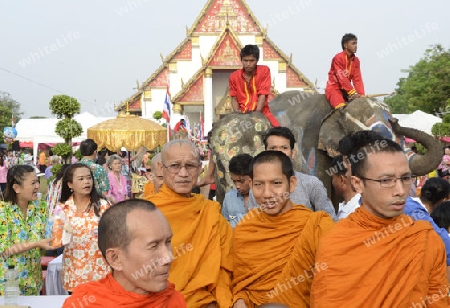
<point>22,229</point>
<point>82,206</point>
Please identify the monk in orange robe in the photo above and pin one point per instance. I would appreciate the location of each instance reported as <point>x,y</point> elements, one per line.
<point>134,238</point>
<point>378,256</point>
<point>202,238</point>
<point>274,247</point>
<point>154,184</point>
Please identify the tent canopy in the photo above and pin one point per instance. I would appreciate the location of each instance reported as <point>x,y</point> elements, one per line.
<point>128,131</point>
<point>419,120</point>
<point>35,131</point>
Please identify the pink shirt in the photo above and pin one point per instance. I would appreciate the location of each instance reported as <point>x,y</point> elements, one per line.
<point>118,189</point>
<point>3,173</point>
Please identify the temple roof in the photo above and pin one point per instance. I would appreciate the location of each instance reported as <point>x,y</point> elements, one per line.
<point>223,54</point>
<point>224,18</point>
<point>216,13</point>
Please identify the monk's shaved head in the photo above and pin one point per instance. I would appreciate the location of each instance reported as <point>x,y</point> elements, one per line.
<point>180,165</point>
<point>113,230</point>
<point>175,145</point>
<point>155,160</point>
<point>273,305</point>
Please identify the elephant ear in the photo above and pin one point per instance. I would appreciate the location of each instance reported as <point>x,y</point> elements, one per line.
<point>331,131</point>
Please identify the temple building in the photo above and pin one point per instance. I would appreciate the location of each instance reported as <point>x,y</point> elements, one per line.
<point>198,69</point>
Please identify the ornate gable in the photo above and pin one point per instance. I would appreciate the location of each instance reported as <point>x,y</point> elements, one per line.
<point>159,80</point>
<point>224,54</point>
<point>226,50</point>
<point>293,79</point>
<point>192,91</point>
<point>217,13</point>
<point>185,52</point>
<point>135,104</point>
<point>269,53</point>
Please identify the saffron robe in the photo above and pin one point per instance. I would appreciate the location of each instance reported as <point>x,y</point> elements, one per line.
<point>376,262</point>
<point>201,246</point>
<point>107,292</point>
<point>149,190</point>
<point>274,256</point>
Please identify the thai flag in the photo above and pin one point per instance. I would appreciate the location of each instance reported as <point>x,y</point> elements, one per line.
<point>200,128</point>
<point>166,110</point>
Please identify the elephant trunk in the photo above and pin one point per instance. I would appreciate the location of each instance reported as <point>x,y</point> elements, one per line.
<point>421,164</point>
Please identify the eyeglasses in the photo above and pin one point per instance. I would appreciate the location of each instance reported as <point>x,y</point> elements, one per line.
<point>391,182</point>
<point>175,168</point>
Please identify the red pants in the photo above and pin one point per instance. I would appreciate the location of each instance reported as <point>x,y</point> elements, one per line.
<point>334,97</point>
<point>270,117</point>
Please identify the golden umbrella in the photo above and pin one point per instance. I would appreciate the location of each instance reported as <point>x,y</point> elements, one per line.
<point>129,131</point>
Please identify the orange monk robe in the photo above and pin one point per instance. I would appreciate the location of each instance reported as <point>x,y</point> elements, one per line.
<point>375,262</point>
<point>274,257</point>
<point>107,292</point>
<point>149,190</point>
<point>201,247</point>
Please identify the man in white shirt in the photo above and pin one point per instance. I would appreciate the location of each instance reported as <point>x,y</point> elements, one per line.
<point>342,186</point>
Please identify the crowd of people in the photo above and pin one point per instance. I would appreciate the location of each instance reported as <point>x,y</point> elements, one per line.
<point>275,241</point>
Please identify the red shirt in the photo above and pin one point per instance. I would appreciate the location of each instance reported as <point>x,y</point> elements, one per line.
<point>247,93</point>
<point>343,72</point>
<point>178,127</point>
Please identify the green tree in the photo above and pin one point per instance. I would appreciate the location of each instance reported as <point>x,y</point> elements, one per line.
<point>427,86</point>
<point>65,108</point>
<point>442,129</point>
<point>8,108</point>
<point>157,115</point>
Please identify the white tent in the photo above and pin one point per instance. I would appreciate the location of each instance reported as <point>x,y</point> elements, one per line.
<point>418,120</point>
<point>43,130</point>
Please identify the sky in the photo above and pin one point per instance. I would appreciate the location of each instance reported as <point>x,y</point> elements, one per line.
<point>95,51</point>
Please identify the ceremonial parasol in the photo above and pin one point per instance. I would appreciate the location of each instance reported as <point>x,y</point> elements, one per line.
<point>129,131</point>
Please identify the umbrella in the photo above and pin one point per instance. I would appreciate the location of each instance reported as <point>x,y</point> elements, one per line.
<point>129,131</point>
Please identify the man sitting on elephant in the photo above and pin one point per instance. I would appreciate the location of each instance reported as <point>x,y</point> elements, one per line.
<point>250,86</point>
<point>345,69</point>
<point>309,190</point>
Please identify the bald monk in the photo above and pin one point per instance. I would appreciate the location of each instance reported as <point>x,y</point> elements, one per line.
<point>202,237</point>
<point>274,247</point>
<point>378,256</point>
<point>134,238</point>
<point>152,186</point>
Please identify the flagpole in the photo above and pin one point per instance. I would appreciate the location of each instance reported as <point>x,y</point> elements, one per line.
<point>168,131</point>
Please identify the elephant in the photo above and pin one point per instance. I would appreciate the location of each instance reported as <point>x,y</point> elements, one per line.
<point>310,116</point>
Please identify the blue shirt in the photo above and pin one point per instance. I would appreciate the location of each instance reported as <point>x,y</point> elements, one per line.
<point>418,212</point>
<point>233,208</point>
